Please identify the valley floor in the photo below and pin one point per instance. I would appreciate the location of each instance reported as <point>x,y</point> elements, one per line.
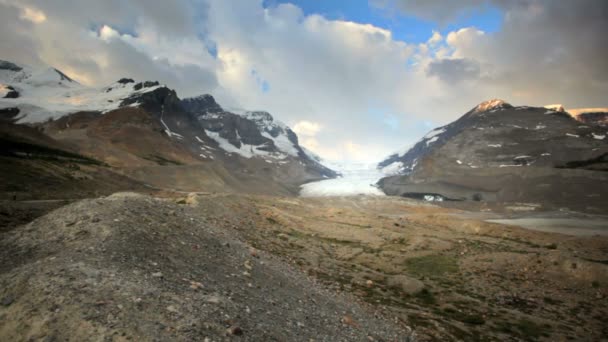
<point>445,272</point>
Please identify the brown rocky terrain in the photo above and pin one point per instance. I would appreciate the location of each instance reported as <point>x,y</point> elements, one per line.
<point>250,267</point>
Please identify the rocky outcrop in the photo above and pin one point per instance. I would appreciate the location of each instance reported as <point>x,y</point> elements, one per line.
<point>591,116</point>
<point>154,100</point>
<point>6,65</point>
<point>201,104</point>
<point>251,134</point>
<point>507,154</point>
<point>9,114</point>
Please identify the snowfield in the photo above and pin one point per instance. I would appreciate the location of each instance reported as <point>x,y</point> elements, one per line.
<point>46,93</point>
<point>357,179</point>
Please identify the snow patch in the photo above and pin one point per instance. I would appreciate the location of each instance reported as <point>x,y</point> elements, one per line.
<point>433,198</point>
<point>47,93</point>
<point>434,133</point>
<point>247,151</point>
<point>495,145</point>
<point>432,140</point>
<point>510,165</point>
<point>393,169</point>
<point>598,136</point>
<point>572,135</point>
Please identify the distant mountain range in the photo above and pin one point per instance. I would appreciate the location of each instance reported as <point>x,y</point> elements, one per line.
<point>500,153</point>
<point>144,131</point>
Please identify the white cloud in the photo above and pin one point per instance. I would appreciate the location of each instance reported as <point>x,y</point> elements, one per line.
<point>306,128</point>
<point>33,15</point>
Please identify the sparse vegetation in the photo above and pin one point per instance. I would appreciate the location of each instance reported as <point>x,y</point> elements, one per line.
<point>431,265</point>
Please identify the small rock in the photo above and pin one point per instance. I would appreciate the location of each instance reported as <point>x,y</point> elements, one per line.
<point>195,285</point>
<point>248,265</point>
<point>405,284</point>
<point>253,252</point>
<point>157,274</point>
<point>369,283</point>
<point>171,308</point>
<point>8,300</point>
<point>212,300</point>
<point>234,330</point>
<point>349,321</point>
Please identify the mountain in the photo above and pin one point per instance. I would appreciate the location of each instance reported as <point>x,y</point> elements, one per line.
<point>144,131</point>
<point>592,116</point>
<point>501,153</point>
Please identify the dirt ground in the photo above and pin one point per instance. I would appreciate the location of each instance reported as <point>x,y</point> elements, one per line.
<point>374,267</point>
<point>448,276</point>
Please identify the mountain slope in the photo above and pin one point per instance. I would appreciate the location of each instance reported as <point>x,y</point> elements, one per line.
<point>497,152</point>
<point>145,131</point>
<point>132,267</point>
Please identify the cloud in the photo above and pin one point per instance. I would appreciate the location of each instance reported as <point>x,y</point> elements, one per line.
<point>454,70</point>
<point>306,128</point>
<point>546,51</point>
<point>33,15</point>
<point>324,77</point>
<point>98,42</point>
<point>440,11</point>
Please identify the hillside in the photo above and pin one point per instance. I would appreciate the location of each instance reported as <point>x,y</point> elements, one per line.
<point>500,153</point>
<point>145,132</point>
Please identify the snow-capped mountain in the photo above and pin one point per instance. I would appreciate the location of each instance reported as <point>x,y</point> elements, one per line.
<point>144,129</point>
<point>46,93</point>
<point>500,152</point>
<point>250,134</point>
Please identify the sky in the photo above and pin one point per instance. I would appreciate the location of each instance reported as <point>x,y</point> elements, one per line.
<point>355,79</point>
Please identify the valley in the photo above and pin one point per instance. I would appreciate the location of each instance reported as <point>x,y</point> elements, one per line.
<point>433,272</point>
<point>129,213</point>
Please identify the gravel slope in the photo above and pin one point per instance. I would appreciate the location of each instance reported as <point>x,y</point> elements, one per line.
<point>131,267</point>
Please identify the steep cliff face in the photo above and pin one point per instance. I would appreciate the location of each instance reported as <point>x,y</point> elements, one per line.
<point>498,152</point>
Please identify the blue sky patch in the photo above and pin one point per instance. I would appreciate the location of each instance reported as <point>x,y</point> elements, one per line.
<point>406,28</point>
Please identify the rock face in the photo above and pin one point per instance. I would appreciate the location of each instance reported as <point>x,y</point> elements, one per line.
<point>498,152</point>
<point>251,134</point>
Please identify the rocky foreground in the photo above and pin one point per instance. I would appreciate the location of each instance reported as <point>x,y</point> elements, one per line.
<point>131,267</point>
<point>214,267</point>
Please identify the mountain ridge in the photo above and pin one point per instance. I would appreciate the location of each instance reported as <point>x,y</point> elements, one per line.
<point>508,154</point>
<point>144,129</point>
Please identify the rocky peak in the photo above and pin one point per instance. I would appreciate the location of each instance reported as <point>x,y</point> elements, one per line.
<point>593,116</point>
<point>556,107</point>
<point>491,104</point>
<point>62,76</point>
<point>146,84</point>
<point>6,65</point>
<point>154,99</point>
<point>201,104</point>
<point>125,80</point>
<point>579,111</point>
<point>262,119</point>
